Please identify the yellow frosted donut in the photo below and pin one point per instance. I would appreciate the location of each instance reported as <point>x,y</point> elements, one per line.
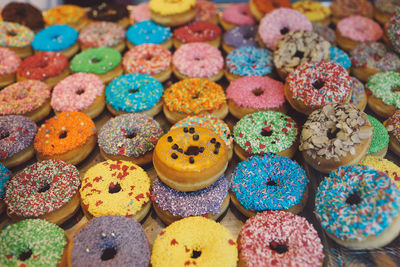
<point>172,12</point>
<point>194,241</point>
<point>383,165</point>
<point>314,11</point>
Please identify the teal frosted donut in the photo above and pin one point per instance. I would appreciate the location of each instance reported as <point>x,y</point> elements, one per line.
<point>249,60</point>
<point>96,60</point>
<point>55,38</point>
<point>146,32</point>
<point>32,242</point>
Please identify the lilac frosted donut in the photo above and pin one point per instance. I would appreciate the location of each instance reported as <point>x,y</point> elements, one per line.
<point>110,241</point>
<point>279,22</point>
<point>244,35</point>
<point>359,29</point>
<point>358,92</point>
<point>141,12</point>
<point>238,14</point>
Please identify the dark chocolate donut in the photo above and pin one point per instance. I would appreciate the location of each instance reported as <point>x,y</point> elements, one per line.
<point>24,14</point>
<point>107,12</point>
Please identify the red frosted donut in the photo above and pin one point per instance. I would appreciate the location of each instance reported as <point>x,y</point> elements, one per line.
<point>199,31</point>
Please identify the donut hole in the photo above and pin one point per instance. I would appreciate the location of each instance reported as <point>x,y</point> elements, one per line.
<point>56,38</point>
<point>44,187</point>
<point>195,254</point>
<point>332,133</point>
<point>25,254</point>
<point>257,92</point>
<point>197,59</point>
<point>354,198</point>
<point>130,135</point>
<point>247,35</point>
<point>395,89</point>
<point>271,183</point>
<point>63,135</point>
<point>12,33</point>
<point>95,60</point>
<point>80,91</point>
<point>284,30</point>
<point>195,96</point>
<point>299,54</point>
<point>114,188</point>
<point>266,132</point>
<point>133,91</point>
<point>192,151</point>
<point>4,134</point>
<point>318,84</point>
<point>279,248</point>
<point>108,254</point>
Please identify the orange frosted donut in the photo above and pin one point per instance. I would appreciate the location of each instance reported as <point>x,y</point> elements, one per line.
<point>68,136</point>
<point>71,15</point>
<point>260,7</point>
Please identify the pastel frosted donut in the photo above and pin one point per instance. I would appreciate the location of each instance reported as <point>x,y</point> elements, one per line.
<point>9,62</point>
<point>148,32</point>
<point>380,138</point>
<point>314,11</point>
<point>99,34</point>
<point>134,93</point>
<point>358,95</point>
<point>236,15</point>
<point>279,22</point>
<point>340,57</point>
<point>79,92</point>
<point>17,38</point>
<point>240,36</point>
<point>140,12</point>
<point>198,31</point>
<point>71,15</point>
<point>198,60</point>
<point>383,165</point>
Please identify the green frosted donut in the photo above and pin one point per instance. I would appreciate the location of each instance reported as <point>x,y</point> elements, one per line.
<point>381,86</point>
<point>380,136</point>
<point>31,242</point>
<point>96,60</point>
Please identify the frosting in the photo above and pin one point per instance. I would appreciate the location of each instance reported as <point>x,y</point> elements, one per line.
<point>246,61</point>
<point>146,32</point>
<point>360,29</point>
<point>375,56</point>
<point>55,38</point>
<point>393,125</point>
<point>383,84</point>
<point>141,12</point>
<point>5,175</point>
<point>96,60</point>
<point>65,14</point>
<point>199,31</point>
<point>380,136</point>
<point>167,7</point>
<point>393,31</point>
<point>24,14</point>
<point>115,137</point>
<point>387,6</point>
<point>238,14</point>
<point>245,35</point>
<point>206,10</point>
<point>314,11</point>
<point>99,191</point>
<point>9,61</point>
<point>113,12</point>
<point>15,35</point>
<point>340,57</point>
<point>383,165</point>
<point>270,5</point>
<point>326,32</point>
<point>265,132</point>
<point>358,92</point>
<point>102,33</point>
<point>345,8</point>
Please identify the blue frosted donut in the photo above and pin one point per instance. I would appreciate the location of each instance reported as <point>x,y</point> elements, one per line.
<point>5,175</point>
<point>340,57</point>
<point>269,182</point>
<point>55,38</point>
<point>249,60</point>
<point>146,32</point>
<point>133,92</point>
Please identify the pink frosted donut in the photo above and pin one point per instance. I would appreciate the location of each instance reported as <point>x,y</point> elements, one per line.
<point>103,33</point>
<point>77,92</point>
<point>141,12</point>
<point>238,14</point>
<point>207,10</point>
<point>279,22</point>
<point>360,29</point>
<point>256,92</point>
<point>9,62</point>
<point>198,60</point>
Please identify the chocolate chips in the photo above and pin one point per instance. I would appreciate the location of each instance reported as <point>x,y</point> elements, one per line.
<point>169,138</point>
<point>174,156</point>
<point>191,160</point>
<point>196,137</point>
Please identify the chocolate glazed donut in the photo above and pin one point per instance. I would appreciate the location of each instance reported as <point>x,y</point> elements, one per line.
<point>24,14</point>
<point>108,12</point>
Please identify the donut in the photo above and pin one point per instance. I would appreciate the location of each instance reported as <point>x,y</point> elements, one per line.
<point>278,238</point>
<point>240,36</point>
<point>206,11</point>
<point>249,94</point>
<point>103,33</point>
<point>340,57</point>
<point>194,241</point>
<point>30,98</point>
<point>392,125</point>
<point>314,11</point>
<point>345,8</point>
<point>358,95</point>
<point>111,12</point>
<point>72,15</point>
<point>393,30</point>
<point>151,59</point>
<point>134,93</point>
<point>46,190</point>
<point>79,92</point>
<point>103,61</point>
<point>380,138</point>
<point>68,136</point>
<point>353,30</point>
<point>358,207</point>
<point>148,32</point>
<point>58,38</point>
<point>299,47</point>
<point>312,85</point>
<point>236,15</point>
<point>48,67</point>
<point>5,175</point>
<point>384,9</point>
<point>246,61</point>
<point>116,188</point>
<point>172,205</point>
<point>192,97</point>
<point>384,100</point>
<point>198,31</point>
<point>129,137</point>
<point>16,37</point>
<point>370,58</point>
<point>140,12</point>
<point>32,242</point>
<point>279,22</point>
<point>109,240</point>
<point>16,138</point>
<point>172,13</point>
<point>9,62</point>
<point>265,132</point>
<point>337,134</point>
<point>326,32</point>
<point>383,165</point>
<point>268,182</point>
<point>24,14</point>
<point>190,158</point>
<point>259,8</point>
<point>198,60</point>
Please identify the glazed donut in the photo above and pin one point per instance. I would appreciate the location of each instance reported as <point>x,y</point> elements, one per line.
<point>190,159</point>
<point>148,32</point>
<point>346,8</point>
<point>109,240</point>
<point>172,205</point>
<point>392,125</point>
<point>299,47</point>
<point>140,12</point>
<point>198,31</point>
<point>103,61</point>
<point>58,38</point>
<point>249,94</point>
<point>336,135</point>
<point>340,57</point>
<point>278,238</point>
<point>46,190</point>
<point>383,165</point>
<point>151,59</point>
<point>16,138</point>
<point>358,95</point>
<point>236,15</point>
<point>240,36</point>
<point>357,207</point>
<point>206,11</point>
<point>74,16</point>
<point>116,188</point>
<point>129,137</point>
<point>9,62</point>
<point>134,93</point>
<point>19,246</point>
<point>192,97</point>
<point>172,13</point>
<point>268,182</point>
<point>16,37</point>
<point>99,34</point>
<point>24,14</point>
<point>380,138</point>
<point>326,32</point>
<point>314,11</point>
<point>79,92</point>
<point>278,23</point>
<point>197,241</point>
<point>383,10</point>
<point>261,7</point>
<point>246,61</point>
<point>265,132</point>
<point>48,67</point>
<point>198,60</point>
<point>111,12</point>
<point>312,85</point>
<point>5,175</point>
<point>68,136</point>
<point>29,98</point>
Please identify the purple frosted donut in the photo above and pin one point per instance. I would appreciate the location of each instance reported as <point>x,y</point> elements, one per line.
<point>358,91</point>
<point>245,35</point>
<point>111,241</point>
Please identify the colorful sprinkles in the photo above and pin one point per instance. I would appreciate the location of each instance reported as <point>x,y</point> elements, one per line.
<point>9,61</point>
<point>249,60</point>
<point>5,175</point>
<point>340,57</point>
<point>102,33</point>
<point>381,86</point>
<point>393,30</point>
<point>393,125</point>
<point>22,36</point>
<point>358,91</point>
<point>383,165</point>
<point>374,55</point>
